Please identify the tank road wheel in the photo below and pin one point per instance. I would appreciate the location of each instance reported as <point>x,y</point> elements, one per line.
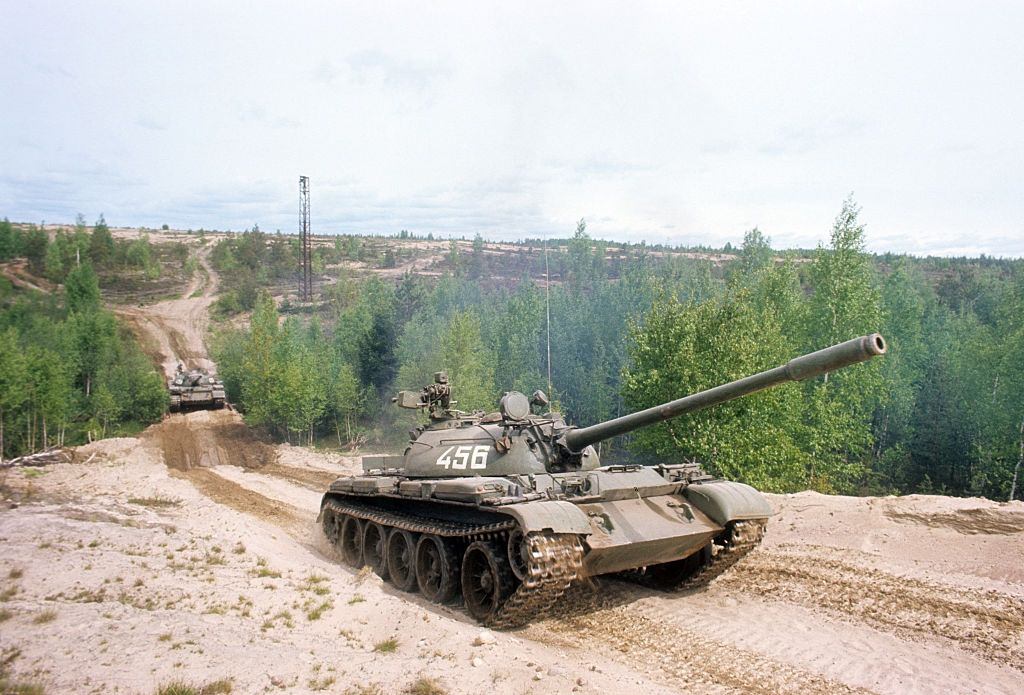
<point>401,552</point>
<point>518,553</point>
<point>350,541</point>
<point>437,569</point>
<point>486,579</point>
<point>375,540</point>
<point>331,524</point>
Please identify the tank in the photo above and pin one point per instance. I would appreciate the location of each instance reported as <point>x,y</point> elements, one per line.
<point>195,388</point>
<point>508,509</point>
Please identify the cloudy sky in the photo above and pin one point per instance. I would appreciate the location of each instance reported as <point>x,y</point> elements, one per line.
<point>670,122</point>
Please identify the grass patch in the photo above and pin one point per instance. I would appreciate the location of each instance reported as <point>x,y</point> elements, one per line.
<point>355,599</point>
<point>16,573</point>
<point>221,687</point>
<point>284,616</point>
<point>368,689</point>
<point>5,615</point>
<point>215,559</point>
<point>15,687</point>
<point>8,593</point>
<point>321,683</point>
<point>316,612</point>
<point>47,616</point>
<point>425,686</point>
<point>388,646</point>
<point>316,583</point>
<point>166,637</point>
<point>239,548</point>
<point>158,501</point>
<point>89,596</point>
<point>264,570</point>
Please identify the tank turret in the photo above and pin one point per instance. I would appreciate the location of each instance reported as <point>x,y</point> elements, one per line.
<point>510,508</point>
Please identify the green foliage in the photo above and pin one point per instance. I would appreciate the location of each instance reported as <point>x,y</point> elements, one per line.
<point>845,303</point>
<point>250,261</point>
<point>68,375</point>
<point>376,350</point>
<point>33,247</point>
<point>683,348</point>
<point>284,379</point>
<point>83,289</point>
<point>101,245</point>
<point>10,242</point>
<point>458,348</point>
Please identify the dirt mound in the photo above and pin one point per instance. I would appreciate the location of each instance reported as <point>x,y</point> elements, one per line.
<point>205,439</point>
<point>967,516</point>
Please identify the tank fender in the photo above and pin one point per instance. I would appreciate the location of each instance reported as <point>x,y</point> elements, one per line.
<point>552,516</point>
<point>726,501</point>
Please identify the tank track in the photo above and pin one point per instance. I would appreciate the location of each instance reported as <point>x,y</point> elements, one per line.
<point>420,524</point>
<point>555,560</point>
<point>722,554</point>
<point>745,536</point>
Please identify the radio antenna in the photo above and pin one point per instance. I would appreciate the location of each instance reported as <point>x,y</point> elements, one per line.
<point>547,302</point>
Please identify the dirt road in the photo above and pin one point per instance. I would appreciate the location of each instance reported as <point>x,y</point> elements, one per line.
<point>174,331</point>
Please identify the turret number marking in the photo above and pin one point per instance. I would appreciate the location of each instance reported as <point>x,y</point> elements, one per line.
<point>475,457</point>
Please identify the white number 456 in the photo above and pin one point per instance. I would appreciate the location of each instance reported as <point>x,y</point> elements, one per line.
<point>473,456</point>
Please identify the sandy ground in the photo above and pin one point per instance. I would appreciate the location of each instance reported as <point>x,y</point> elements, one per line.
<point>197,557</point>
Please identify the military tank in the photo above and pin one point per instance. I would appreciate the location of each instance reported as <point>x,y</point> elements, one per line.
<point>195,388</point>
<point>510,508</point>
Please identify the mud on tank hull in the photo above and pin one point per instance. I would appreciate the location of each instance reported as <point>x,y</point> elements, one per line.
<point>511,546</point>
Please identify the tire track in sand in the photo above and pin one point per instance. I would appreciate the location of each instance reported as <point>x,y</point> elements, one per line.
<point>194,444</point>
<point>671,653</point>
<point>988,624</point>
<point>230,494</point>
<point>309,478</point>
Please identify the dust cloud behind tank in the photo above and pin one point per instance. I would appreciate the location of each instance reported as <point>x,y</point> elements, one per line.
<point>508,509</point>
<point>195,389</point>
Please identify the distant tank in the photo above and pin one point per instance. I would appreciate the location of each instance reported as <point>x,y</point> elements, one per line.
<point>508,509</point>
<point>195,388</point>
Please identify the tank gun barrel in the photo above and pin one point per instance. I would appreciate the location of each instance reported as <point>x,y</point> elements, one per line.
<point>797,369</point>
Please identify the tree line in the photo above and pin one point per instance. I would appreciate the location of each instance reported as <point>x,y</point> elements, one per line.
<point>942,412</point>
<point>55,258</point>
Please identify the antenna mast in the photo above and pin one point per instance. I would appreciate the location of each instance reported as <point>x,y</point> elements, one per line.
<point>306,291</point>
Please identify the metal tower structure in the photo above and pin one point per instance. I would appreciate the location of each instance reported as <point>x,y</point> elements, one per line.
<point>307,270</point>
